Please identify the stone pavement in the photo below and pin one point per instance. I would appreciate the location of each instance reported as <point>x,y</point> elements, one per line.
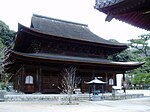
<point>128,105</point>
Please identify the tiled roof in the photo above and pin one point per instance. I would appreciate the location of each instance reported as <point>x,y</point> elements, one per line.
<point>76,59</point>
<point>66,29</point>
<point>106,3</point>
<point>134,12</point>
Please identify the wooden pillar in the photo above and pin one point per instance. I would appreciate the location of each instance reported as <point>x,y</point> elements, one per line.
<point>106,80</point>
<point>115,79</point>
<point>15,80</point>
<point>124,83</point>
<point>36,80</point>
<point>40,79</point>
<point>93,74</point>
<point>23,79</point>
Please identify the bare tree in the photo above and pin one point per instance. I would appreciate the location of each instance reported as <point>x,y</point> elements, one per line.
<point>69,81</point>
<point>4,77</point>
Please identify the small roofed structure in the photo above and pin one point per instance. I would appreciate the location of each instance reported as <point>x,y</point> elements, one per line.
<point>95,81</point>
<point>134,12</point>
<point>41,52</point>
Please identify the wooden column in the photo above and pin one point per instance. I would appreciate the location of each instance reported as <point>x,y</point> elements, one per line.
<point>40,79</point>
<point>106,80</point>
<point>18,79</point>
<point>36,79</point>
<point>15,81</point>
<point>23,79</point>
<point>115,79</point>
<point>124,83</point>
<point>93,74</point>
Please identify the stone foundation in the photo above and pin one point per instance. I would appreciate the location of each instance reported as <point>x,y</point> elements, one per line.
<point>64,98</point>
<point>122,96</point>
<point>40,97</point>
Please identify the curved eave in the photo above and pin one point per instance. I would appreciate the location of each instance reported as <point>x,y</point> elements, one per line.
<point>120,6</point>
<point>32,31</point>
<point>77,60</point>
<point>108,4</point>
<point>132,12</point>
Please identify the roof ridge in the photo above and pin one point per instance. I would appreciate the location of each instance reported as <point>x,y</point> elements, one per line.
<point>60,20</point>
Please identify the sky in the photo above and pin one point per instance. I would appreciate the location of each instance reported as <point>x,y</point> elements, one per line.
<point>13,12</point>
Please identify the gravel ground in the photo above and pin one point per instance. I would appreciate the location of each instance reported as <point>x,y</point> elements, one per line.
<point>128,105</point>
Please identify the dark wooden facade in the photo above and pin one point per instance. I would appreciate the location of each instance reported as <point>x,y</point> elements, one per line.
<point>42,51</point>
<point>48,81</point>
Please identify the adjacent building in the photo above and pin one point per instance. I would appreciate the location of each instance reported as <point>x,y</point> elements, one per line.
<point>134,12</point>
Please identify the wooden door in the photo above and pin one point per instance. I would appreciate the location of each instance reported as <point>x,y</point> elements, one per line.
<point>29,88</point>
<point>50,84</point>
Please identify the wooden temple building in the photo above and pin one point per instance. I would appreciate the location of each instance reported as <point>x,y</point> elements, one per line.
<point>134,12</point>
<point>42,51</point>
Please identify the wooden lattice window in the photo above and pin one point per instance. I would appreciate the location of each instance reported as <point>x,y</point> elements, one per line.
<point>111,82</point>
<point>29,79</point>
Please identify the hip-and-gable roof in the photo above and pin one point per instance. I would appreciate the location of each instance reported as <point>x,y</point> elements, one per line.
<point>67,29</point>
